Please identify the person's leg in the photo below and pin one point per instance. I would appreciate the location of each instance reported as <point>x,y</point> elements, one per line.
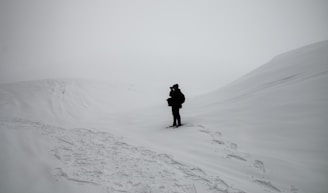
<point>178,117</point>
<point>174,116</point>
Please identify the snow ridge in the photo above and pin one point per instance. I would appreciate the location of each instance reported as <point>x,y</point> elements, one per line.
<point>279,113</point>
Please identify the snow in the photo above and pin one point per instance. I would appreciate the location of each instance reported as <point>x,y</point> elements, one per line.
<point>265,132</point>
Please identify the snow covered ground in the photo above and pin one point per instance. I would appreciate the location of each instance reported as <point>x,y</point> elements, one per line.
<point>265,132</point>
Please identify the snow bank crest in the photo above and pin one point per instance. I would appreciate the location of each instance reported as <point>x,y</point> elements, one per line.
<point>280,112</point>
<point>64,101</point>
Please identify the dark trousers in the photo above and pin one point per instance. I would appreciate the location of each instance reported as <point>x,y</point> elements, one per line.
<point>176,116</point>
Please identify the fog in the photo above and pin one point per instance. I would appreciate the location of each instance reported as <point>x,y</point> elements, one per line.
<point>202,45</point>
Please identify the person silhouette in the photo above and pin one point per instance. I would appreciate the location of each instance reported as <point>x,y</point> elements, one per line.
<point>176,100</point>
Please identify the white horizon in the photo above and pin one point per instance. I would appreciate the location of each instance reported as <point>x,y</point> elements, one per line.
<point>200,45</point>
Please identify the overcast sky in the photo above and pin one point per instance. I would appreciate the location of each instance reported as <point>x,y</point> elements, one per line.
<point>202,45</point>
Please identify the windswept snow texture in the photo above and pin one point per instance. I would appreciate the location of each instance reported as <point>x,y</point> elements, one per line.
<point>279,114</point>
<point>266,132</point>
<point>67,101</point>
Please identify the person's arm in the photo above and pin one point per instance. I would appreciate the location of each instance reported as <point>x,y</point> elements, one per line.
<point>171,92</point>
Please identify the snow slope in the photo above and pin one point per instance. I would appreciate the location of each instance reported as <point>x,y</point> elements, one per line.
<point>67,101</point>
<point>67,136</point>
<point>266,132</point>
<point>280,112</point>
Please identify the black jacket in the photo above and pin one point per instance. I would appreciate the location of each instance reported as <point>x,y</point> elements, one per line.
<point>176,98</point>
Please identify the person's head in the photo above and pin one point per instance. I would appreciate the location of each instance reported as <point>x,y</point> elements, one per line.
<point>176,86</point>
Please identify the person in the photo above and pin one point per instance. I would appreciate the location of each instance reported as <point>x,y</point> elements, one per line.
<point>176,100</point>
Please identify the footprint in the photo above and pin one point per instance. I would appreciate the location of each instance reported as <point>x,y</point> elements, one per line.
<point>233,146</point>
<point>236,157</point>
<point>204,131</point>
<point>259,165</point>
<point>218,134</point>
<point>218,142</point>
<point>202,126</point>
<point>58,172</point>
<point>267,184</point>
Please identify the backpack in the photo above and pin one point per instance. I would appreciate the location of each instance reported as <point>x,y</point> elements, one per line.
<point>182,98</point>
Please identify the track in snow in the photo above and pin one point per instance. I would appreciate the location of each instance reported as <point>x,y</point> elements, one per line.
<point>88,157</point>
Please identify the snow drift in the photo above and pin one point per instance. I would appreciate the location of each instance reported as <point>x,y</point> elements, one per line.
<point>279,113</point>
<point>266,132</point>
<point>66,101</point>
